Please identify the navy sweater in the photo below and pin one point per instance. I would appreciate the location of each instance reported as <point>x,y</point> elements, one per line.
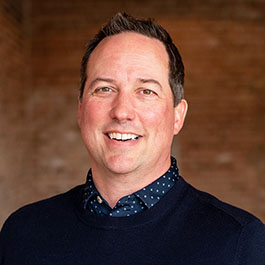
<point>187,227</point>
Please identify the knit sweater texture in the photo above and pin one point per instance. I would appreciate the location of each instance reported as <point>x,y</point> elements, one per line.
<point>186,227</point>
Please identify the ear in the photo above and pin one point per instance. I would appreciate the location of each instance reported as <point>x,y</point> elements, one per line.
<point>180,114</point>
<point>79,112</point>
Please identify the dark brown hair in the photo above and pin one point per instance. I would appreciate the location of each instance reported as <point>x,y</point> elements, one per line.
<point>122,22</point>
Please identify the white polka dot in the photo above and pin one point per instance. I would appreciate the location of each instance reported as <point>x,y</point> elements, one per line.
<point>124,209</point>
<point>110,214</point>
<point>132,206</point>
<point>135,211</point>
<point>133,202</point>
<point>158,197</point>
<point>142,207</point>
<point>152,204</point>
<point>157,183</point>
<point>152,197</point>
<point>145,196</point>
<point>151,189</point>
<point>164,184</point>
<point>118,211</point>
<point>157,190</point>
<point>128,215</point>
<point>163,191</point>
<point>144,188</point>
<point>168,185</point>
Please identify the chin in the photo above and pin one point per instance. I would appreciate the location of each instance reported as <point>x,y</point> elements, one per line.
<point>121,165</point>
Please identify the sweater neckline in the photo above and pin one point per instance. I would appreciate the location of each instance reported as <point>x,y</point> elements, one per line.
<point>171,201</point>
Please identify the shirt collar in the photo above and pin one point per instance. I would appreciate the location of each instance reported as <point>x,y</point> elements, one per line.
<point>152,193</point>
<point>90,191</point>
<point>148,195</point>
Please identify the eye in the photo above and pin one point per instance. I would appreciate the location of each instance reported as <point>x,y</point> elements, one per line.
<point>102,90</point>
<point>148,92</point>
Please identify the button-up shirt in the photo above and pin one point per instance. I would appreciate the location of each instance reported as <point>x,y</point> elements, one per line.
<point>131,204</point>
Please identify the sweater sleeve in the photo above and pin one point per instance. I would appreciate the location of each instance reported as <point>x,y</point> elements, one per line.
<point>251,247</point>
<point>8,242</point>
<point>2,239</point>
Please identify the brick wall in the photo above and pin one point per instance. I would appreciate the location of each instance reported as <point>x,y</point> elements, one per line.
<point>221,148</point>
<point>13,87</point>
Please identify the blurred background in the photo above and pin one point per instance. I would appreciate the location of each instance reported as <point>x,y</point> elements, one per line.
<point>221,148</point>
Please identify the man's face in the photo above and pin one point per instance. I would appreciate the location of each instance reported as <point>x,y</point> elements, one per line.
<point>127,117</point>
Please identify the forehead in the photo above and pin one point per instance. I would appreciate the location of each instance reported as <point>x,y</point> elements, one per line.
<point>130,51</point>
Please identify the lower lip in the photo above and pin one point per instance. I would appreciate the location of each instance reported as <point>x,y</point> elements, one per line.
<point>122,143</point>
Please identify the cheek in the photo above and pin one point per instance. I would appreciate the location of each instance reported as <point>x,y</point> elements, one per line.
<point>91,122</point>
<point>159,118</point>
<point>91,114</point>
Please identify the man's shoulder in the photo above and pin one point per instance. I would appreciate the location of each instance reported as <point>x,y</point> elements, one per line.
<point>43,210</point>
<point>36,224</point>
<point>221,212</point>
<point>229,221</point>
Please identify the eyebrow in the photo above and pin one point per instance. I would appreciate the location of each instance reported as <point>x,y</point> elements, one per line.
<point>110,80</point>
<point>152,81</point>
<point>101,79</point>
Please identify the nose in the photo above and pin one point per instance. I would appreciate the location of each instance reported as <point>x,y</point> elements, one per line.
<point>123,107</point>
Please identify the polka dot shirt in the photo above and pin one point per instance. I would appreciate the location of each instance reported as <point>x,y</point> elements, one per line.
<point>133,203</point>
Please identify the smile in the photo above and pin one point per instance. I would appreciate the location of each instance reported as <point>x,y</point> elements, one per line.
<point>122,136</point>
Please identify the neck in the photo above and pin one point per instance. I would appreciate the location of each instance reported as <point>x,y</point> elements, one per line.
<point>113,186</point>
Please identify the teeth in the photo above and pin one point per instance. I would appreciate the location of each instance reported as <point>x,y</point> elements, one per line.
<point>122,136</point>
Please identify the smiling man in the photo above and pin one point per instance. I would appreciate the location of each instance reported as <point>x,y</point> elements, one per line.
<point>134,208</point>
<point>127,115</point>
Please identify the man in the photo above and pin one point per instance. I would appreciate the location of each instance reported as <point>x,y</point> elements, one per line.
<point>134,207</point>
